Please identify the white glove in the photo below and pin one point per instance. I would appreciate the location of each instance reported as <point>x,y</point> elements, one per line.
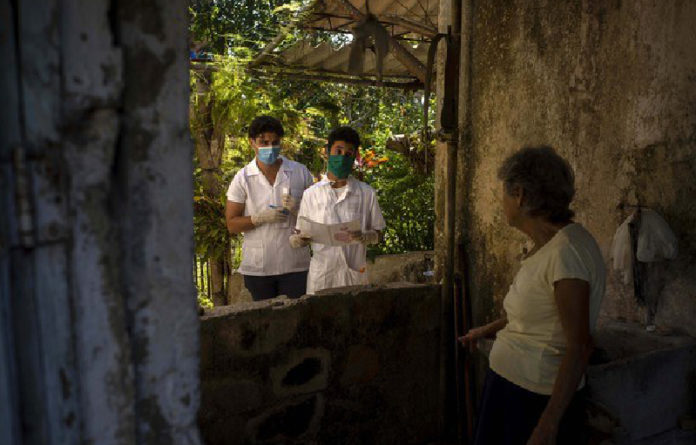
<point>290,203</point>
<point>367,237</point>
<point>269,216</point>
<point>297,241</point>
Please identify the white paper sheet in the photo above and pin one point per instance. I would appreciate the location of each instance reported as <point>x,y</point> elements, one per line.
<point>329,234</point>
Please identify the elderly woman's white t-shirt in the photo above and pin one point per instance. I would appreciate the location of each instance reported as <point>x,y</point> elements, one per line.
<point>529,350</point>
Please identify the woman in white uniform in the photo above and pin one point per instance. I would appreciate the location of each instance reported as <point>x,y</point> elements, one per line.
<point>262,203</point>
<point>340,199</point>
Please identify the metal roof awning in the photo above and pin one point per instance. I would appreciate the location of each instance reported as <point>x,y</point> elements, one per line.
<point>411,24</point>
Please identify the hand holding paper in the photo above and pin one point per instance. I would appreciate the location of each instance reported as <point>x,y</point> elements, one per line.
<point>343,237</point>
<point>297,241</point>
<point>329,234</point>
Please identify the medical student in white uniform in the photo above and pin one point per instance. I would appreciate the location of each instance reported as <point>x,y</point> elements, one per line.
<point>262,203</point>
<point>340,199</point>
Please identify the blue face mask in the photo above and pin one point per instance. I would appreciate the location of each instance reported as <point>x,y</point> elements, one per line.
<point>268,155</point>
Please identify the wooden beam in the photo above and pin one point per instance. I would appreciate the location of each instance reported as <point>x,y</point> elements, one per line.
<point>387,18</point>
<point>403,55</point>
<point>328,72</point>
<point>323,77</point>
<point>266,51</point>
<point>270,47</point>
<point>411,25</point>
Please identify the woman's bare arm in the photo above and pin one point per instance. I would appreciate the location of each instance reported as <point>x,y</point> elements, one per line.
<point>573,301</point>
<point>487,330</point>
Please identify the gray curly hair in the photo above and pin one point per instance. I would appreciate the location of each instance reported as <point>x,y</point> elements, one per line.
<point>546,178</point>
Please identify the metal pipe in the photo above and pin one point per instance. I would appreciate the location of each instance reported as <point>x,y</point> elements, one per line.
<point>413,85</point>
<point>209,287</point>
<point>462,263</point>
<point>449,134</point>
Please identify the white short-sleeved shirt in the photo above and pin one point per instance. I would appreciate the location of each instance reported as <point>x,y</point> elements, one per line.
<point>266,249</point>
<point>335,266</point>
<point>529,350</point>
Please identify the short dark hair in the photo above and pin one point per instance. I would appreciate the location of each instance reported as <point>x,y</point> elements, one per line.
<point>265,124</point>
<point>546,178</point>
<point>345,134</point>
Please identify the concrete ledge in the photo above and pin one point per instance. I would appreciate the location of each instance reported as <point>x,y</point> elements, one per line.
<point>412,267</point>
<point>645,380</point>
<point>352,366</point>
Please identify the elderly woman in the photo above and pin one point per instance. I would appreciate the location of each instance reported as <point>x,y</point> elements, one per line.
<point>543,343</point>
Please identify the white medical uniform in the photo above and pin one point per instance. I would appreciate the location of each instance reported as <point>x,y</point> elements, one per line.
<point>340,265</point>
<point>266,249</point>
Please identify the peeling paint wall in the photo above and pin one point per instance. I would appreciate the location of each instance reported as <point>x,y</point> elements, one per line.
<point>612,85</point>
<point>350,366</point>
<point>98,318</point>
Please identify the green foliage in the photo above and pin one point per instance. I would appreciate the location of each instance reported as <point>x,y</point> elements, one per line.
<point>406,200</point>
<point>228,24</point>
<point>236,30</point>
<point>234,99</point>
<point>236,27</point>
<point>406,196</point>
<point>210,232</point>
<point>204,302</point>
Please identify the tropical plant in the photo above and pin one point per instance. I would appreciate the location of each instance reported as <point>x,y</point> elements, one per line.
<point>226,97</point>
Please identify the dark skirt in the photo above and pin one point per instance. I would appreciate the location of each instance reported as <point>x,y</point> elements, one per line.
<point>508,415</point>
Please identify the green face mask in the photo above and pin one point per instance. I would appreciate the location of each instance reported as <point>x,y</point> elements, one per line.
<point>341,165</point>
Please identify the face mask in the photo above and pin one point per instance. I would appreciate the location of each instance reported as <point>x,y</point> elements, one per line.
<point>341,165</point>
<point>268,155</point>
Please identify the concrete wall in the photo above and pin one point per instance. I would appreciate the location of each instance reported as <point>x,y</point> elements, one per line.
<point>348,367</point>
<point>410,267</point>
<point>612,85</point>
<point>645,381</point>
<point>98,324</point>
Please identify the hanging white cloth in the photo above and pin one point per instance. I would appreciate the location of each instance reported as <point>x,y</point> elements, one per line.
<point>656,242</point>
<point>622,256</point>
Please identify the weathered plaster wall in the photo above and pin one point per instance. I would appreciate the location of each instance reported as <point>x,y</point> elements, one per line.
<point>347,367</point>
<point>98,321</point>
<point>612,85</point>
<point>410,267</point>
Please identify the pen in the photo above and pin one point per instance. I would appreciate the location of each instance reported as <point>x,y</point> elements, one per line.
<point>284,211</point>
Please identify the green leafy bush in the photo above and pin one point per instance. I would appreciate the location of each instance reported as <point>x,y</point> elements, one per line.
<point>236,31</point>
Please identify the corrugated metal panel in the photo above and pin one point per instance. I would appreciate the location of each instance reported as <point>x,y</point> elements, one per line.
<point>411,22</point>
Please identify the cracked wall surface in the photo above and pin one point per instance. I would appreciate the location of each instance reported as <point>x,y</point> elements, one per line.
<point>350,366</point>
<point>611,85</point>
<point>98,318</point>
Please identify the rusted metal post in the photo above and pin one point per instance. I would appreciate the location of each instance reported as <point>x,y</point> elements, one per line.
<point>208,287</point>
<point>461,263</point>
<point>449,134</point>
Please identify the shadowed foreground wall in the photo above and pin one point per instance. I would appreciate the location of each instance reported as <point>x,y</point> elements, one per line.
<point>351,367</point>
<point>98,323</point>
<point>612,85</point>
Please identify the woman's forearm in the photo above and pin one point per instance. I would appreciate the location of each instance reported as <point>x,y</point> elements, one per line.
<point>493,327</point>
<point>573,366</point>
<point>572,299</point>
